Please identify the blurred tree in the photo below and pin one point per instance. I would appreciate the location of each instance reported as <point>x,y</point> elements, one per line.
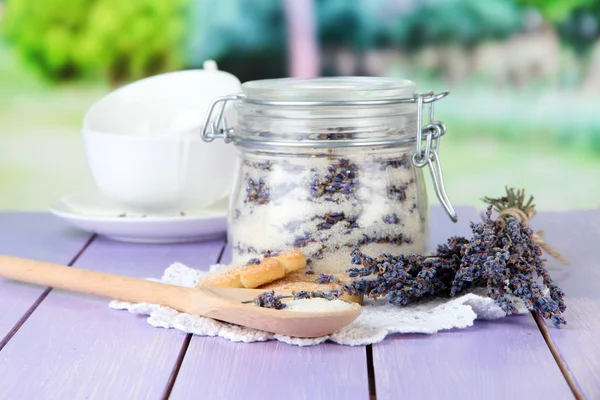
<point>575,20</point>
<point>464,22</point>
<point>249,38</point>
<point>359,24</point>
<point>580,29</point>
<point>557,11</point>
<point>120,40</point>
<point>246,37</point>
<point>415,24</point>
<point>577,23</point>
<point>341,24</point>
<point>133,39</point>
<point>45,34</point>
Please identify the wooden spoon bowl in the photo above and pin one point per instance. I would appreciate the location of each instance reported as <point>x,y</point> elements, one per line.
<point>226,306</point>
<point>223,304</point>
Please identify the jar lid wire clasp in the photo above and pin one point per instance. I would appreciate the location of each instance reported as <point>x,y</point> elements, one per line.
<point>214,125</point>
<point>429,155</point>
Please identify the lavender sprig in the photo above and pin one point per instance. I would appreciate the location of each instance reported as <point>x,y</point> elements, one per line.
<point>269,300</point>
<point>326,278</point>
<point>312,294</point>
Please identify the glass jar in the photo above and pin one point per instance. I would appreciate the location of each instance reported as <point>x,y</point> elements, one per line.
<point>327,165</point>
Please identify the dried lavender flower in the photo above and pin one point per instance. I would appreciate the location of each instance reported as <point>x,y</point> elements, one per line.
<point>257,191</point>
<point>397,193</point>
<point>403,162</point>
<point>269,300</point>
<point>264,166</point>
<point>253,261</point>
<point>312,294</point>
<point>331,218</point>
<point>398,239</point>
<point>326,278</point>
<point>341,177</point>
<point>270,253</point>
<point>391,219</point>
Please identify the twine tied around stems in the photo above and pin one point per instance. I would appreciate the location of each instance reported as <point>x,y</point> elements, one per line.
<point>513,205</point>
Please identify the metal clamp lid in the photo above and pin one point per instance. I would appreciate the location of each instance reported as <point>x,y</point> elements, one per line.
<point>429,155</point>
<point>215,127</point>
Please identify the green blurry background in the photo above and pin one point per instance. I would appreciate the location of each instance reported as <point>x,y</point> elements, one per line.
<point>524,76</point>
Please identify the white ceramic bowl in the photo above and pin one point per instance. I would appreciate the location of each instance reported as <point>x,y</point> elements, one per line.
<point>144,147</point>
<point>159,175</point>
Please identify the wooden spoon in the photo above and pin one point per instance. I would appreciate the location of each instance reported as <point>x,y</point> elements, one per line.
<point>219,303</point>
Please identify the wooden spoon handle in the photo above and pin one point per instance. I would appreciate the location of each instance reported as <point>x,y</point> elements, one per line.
<point>96,283</point>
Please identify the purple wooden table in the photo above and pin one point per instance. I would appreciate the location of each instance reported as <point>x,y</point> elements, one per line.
<point>59,345</point>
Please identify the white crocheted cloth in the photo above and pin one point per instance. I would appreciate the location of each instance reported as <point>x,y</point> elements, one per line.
<point>377,320</point>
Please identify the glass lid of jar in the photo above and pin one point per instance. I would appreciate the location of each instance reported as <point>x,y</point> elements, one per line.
<point>329,89</point>
<point>332,93</point>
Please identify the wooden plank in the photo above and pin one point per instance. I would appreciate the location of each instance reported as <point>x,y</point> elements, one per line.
<point>227,370</point>
<point>214,368</point>
<point>39,236</point>
<point>500,359</point>
<point>576,235</point>
<point>75,347</point>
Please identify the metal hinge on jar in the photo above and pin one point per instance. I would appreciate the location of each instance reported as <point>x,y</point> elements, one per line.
<point>215,127</point>
<point>431,134</point>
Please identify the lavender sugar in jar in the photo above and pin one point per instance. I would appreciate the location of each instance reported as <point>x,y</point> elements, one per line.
<point>328,165</point>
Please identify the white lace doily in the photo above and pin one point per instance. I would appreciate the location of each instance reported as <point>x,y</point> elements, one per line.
<point>377,320</point>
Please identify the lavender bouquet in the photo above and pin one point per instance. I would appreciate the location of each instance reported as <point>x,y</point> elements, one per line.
<point>503,255</point>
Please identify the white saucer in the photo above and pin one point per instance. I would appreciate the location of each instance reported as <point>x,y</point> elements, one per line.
<point>94,213</point>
